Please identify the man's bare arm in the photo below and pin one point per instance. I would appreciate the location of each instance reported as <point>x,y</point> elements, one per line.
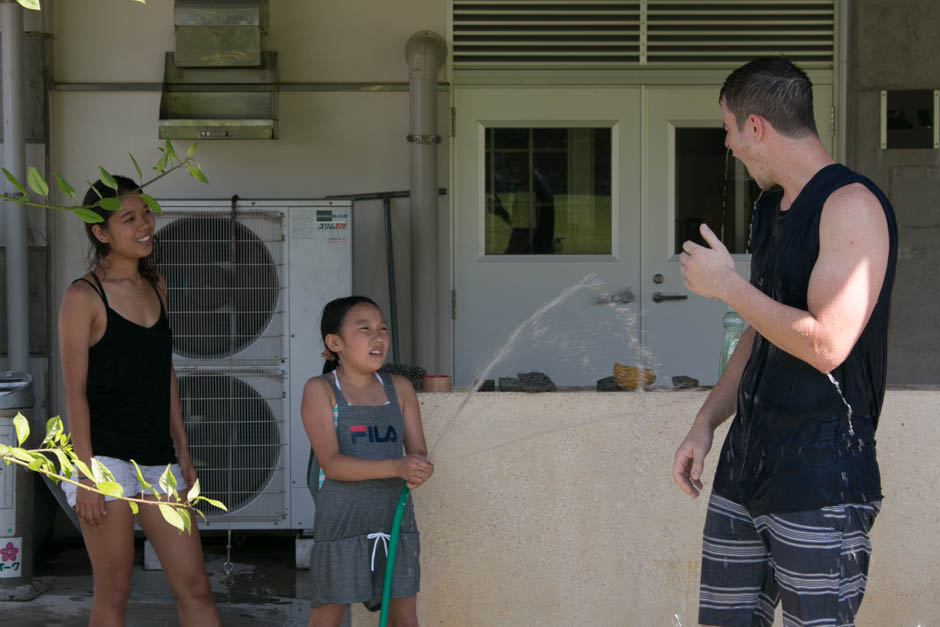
<point>843,288</point>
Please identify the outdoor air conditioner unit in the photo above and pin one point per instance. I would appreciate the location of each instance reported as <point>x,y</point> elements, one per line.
<point>246,287</point>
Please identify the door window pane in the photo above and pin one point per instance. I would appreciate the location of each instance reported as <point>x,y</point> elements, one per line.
<point>547,191</point>
<point>711,187</point>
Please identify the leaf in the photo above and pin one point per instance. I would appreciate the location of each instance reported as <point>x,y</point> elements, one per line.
<point>201,515</point>
<point>4,450</point>
<point>134,508</point>
<point>94,188</point>
<point>171,516</point>
<point>110,204</point>
<point>143,482</point>
<point>107,179</point>
<point>32,5</point>
<point>14,181</point>
<point>87,215</point>
<point>168,150</point>
<point>168,481</point>
<point>36,182</point>
<point>84,469</point>
<point>100,471</point>
<point>140,176</point>
<point>65,466</point>
<point>193,491</point>
<point>187,520</point>
<point>152,204</point>
<point>161,164</point>
<point>21,455</point>
<point>36,463</point>
<point>191,150</point>
<point>196,173</point>
<point>22,428</point>
<point>53,429</point>
<point>64,185</point>
<point>111,488</point>
<point>213,502</point>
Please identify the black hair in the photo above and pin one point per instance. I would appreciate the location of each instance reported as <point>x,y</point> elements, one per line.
<point>99,249</point>
<point>775,89</point>
<point>332,321</point>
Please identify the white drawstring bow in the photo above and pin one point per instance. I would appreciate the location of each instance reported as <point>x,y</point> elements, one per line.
<point>375,537</point>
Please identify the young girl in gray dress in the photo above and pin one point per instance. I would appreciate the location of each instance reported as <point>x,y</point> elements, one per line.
<point>357,421</point>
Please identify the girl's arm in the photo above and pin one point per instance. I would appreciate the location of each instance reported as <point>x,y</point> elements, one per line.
<point>76,318</point>
<point>178,432</point>
<point>177,428</point>
<point>415,444</point>
<point>316,412</point>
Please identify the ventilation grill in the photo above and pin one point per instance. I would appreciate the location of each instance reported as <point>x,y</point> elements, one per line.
<point>735,32</point>
<point>490,33</point>
<point>224,283</point>
<point>655,33</point>
<point>234,423</point>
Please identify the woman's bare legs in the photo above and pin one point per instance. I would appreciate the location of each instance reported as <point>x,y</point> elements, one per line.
<point>110,547</point>
<point>183,566</point>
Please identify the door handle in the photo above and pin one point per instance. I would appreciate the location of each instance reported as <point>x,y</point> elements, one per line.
<point>659,297</point>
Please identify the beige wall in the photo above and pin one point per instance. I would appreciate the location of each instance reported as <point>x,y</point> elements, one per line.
<point>585,527</point>
<point>330,142</point>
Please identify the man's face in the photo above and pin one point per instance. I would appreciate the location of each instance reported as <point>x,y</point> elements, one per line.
<point>740,143</point>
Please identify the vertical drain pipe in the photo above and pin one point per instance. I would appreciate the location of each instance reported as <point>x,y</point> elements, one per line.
<point>425,53</point>
<point>14,160</point>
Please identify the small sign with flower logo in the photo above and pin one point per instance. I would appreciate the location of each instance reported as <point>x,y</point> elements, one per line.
<point>10,557</point>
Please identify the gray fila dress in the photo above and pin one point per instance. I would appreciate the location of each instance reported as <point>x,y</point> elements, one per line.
<point>353,518</point>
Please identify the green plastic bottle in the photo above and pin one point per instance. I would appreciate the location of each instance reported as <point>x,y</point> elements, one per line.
<point>734,326</point>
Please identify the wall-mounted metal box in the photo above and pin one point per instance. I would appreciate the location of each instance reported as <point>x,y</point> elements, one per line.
<point>219,103</point>
<point>219,33</point>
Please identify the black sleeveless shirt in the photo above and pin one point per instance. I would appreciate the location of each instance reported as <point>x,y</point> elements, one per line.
<point>802,440</point>
<point>128,388</point>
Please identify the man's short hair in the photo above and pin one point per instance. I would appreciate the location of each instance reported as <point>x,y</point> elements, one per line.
<point>775,89</point>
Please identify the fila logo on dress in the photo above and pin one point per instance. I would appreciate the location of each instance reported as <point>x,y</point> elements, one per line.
<point>372,432</point>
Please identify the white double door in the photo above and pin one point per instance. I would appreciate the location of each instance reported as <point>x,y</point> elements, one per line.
<point>680,332</point>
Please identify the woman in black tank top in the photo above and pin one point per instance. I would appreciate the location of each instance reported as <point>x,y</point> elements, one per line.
<point>122,404</point>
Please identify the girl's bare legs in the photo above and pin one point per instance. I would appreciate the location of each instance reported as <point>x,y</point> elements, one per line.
<point>403,612</point>
<point>328,615</point>
<point>183,566</point>
<point>110,547</point>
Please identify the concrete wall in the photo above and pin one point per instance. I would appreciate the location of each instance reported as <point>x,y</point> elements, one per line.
<point>331,142</point>
<point>894,46</point>
<point>585,527</point>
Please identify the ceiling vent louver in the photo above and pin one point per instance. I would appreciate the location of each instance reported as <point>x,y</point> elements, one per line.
<point>654,33</point>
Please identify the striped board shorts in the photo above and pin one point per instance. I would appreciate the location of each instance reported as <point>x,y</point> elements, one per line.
<point>813,562</point>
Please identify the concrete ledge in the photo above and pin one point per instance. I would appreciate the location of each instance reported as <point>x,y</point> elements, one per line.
<point>583,526</point>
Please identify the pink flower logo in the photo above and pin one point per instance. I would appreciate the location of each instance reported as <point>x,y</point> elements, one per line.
<point>9,552</point>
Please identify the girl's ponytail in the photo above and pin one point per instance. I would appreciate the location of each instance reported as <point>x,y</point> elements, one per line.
<point>331,363</point>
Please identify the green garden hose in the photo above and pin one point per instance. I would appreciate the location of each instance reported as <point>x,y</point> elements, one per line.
<point>390,560</point>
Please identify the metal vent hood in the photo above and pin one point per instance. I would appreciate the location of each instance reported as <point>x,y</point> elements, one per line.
<point>219,84</point>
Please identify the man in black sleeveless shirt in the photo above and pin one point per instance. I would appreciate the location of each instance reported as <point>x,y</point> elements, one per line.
<point>797,486</point>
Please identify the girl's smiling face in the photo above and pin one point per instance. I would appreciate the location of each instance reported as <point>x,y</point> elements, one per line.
<point>129,230</point>
<point>362,342</point>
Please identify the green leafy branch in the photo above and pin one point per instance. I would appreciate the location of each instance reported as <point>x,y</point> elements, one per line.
<point>169,162</point>
<point>174,509</point>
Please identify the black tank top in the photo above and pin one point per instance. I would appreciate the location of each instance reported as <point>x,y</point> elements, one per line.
<point>792,445</point>
<point>128,388</point>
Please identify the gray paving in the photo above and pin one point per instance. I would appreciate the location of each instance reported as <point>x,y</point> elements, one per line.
<point>264,588</point>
